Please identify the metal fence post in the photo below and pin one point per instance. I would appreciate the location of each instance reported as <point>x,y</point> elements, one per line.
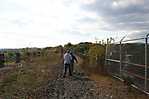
<point>146,52</point>
<point>120,58</point>
<point>121,55</point>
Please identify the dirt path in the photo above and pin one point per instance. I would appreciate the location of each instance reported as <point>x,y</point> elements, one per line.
<point>81,86</point>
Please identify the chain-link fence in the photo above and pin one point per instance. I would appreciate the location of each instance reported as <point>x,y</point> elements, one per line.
<point>129,60</point>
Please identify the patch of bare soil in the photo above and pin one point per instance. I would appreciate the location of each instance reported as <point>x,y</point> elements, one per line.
<point>76,87</point>
<point>115,89</point>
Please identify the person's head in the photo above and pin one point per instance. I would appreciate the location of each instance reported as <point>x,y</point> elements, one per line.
<point>68,51</point>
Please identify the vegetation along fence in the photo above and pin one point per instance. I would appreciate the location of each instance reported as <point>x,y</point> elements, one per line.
<point>128,60</point>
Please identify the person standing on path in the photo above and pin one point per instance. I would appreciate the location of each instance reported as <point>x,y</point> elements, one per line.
<point>67,63</point>
<point>74,59</point>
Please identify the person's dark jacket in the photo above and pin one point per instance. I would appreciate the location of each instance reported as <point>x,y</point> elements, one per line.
<point>73,58</point>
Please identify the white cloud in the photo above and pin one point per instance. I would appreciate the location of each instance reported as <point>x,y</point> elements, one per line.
<point>88,1</point>
<point>126,3</point>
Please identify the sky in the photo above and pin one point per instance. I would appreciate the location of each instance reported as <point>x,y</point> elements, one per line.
<point>42,23</point>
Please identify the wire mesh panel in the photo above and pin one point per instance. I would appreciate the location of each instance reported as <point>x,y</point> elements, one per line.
<point>129,60</point>
<point>113,59</point>
<point>133,62</point>
<point>113,51</point>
